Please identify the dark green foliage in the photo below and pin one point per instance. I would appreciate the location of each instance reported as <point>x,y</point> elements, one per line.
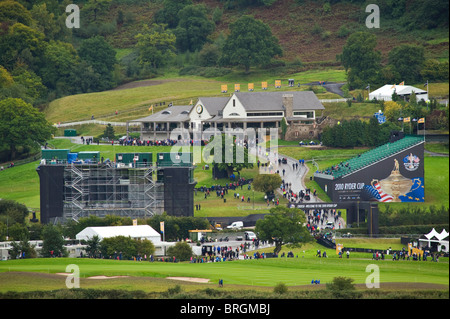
<point>193,28</point>
<point>354,133</point>
<point>407,62</point>
<point>182,251</point>
<point>361,60</point>
<point>53,242</point>
<point>101,56</point>
<point>22,125</point>
<point>283,225</point>
<point>250,43</point>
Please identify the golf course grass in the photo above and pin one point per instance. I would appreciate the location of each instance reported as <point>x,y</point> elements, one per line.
<point>46,273</point>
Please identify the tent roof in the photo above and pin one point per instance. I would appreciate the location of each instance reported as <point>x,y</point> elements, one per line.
<point>139,231</point>
<point>388,90</point>
<point>433,234</point>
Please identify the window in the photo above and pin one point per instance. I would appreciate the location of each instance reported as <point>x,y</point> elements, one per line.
<point>308,115</point>
<point>264,114</point>
<point>234,102</point>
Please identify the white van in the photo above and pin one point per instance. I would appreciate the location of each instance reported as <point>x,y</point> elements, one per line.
<point>330,225</point>
<point>236,225</point>
<point>249,235</point>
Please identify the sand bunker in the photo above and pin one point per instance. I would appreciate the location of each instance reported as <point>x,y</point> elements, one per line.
<point>106,277</point>
<point>93,277</point>
<point>191,279</point>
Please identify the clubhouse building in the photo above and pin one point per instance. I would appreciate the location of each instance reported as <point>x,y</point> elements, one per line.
<point>301,109</point>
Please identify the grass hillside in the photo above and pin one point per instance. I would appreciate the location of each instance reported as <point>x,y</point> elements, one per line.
<point>308,30</point>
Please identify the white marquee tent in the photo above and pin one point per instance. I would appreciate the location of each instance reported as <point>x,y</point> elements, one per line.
<point>136,232</point>
<point>433,238</point>
<point>403,91</point>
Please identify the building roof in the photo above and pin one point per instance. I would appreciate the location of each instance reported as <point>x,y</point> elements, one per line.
<point>214,104</point>
<point>179,113</point>
<point>139,231</point>
<point>273,101</point>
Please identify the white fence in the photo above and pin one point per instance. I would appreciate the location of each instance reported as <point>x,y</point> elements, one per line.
<point>96,122</point>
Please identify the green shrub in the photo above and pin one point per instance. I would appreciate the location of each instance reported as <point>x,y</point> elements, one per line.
<point>280,288</point>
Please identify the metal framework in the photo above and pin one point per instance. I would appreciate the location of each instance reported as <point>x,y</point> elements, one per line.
<point>106,189</point>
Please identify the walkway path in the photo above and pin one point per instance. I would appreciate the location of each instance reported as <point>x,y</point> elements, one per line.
<point>296,177</point>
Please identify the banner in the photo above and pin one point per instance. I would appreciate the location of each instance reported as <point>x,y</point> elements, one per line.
<point>237,88</point>
<point>339,248</point>
<point>224,88</point>
<point>250,87</point>
<point>264,85</point>
<point>161,226</point>
<point>277,84</point>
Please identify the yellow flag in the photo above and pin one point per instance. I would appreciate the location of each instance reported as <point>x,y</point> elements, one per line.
<point>421,120</point>
<point>402,83</point>
<point>406,120</point>
<point>264,85</point>
<point>224,88</point>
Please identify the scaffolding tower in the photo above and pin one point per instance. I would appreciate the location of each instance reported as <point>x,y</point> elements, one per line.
<point>102,189</point>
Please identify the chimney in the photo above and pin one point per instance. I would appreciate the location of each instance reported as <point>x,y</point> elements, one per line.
<point>288,103</point>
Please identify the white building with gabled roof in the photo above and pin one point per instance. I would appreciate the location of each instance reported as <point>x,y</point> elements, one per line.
<point>239,110</point>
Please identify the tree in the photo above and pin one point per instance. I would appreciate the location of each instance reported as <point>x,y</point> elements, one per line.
<point>360,60</point>
<point>283,226</point>
<point>407,61</point>
<point>109,132</point>
<point>93,246</point>
<point>193,29</point>
<point>156,46</point>
<point>23,249</point>
<point>22,125</point>
<point>53,242</point>
<point>21,43</point>
<point>392,110</point>
<point>169,13</point>
<point>61,59</point>
<point>45,21</point>
<point>118,245</point>
<point>12,12</point>
<point>93,7</point>
<point>434,70</point>
<point>182,251</point>
<point>228,148</point>
<point>102,57</point>
<point>250,43</point>
<point>266,183</point>
<point>145,247</point>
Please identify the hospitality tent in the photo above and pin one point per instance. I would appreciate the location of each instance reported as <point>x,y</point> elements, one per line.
<point>136,232</point>
<point>403,91</point>
<point>435,239</point>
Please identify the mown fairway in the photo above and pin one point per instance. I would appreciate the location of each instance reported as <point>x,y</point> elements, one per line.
<point>260,273</point>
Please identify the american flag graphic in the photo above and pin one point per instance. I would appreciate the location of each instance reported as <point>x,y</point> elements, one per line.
<point>377,193</point>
